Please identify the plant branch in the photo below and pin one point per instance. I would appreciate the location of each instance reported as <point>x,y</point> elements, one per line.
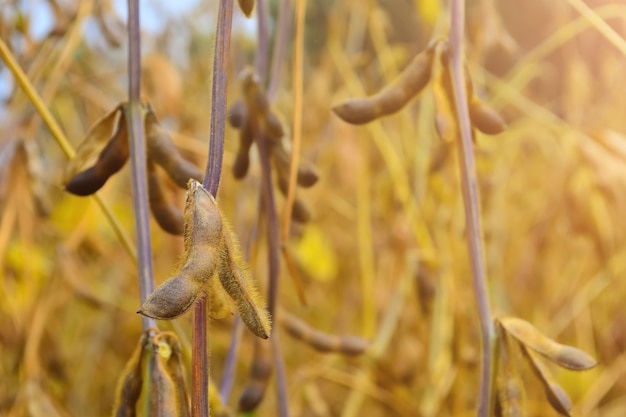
<point>470,200</point>
<point>139,183</point>
<point>199,339</point>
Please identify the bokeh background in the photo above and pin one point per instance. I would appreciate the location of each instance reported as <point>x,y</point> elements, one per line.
<point>385,255</point>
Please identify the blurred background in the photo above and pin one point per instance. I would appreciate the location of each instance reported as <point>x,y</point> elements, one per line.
<point>388,226</point>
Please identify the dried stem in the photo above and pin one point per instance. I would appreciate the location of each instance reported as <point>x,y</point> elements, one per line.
<point>139,181</point>
<point>199,339</point>
<point>470,199</point>
<point>297,116</point>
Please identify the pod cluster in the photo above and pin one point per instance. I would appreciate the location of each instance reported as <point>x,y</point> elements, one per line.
<point>212,266</point>
<point>517,335</point>
<point>105,150</point>
<point>153,378</point>
<point>410,82</point>
<point>253,116</point>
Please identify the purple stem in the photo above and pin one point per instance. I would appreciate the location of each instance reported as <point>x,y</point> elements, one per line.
<point>219,90</point>
<point>280,44</point>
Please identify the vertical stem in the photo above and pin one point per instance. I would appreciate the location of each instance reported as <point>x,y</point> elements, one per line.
<point>134,123</point>
<point>470,199</point>
<point>219,90</point>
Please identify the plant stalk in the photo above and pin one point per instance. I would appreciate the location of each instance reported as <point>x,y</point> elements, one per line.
<point>213,172</point>
<point>139,183</point>
<point>470,200</point>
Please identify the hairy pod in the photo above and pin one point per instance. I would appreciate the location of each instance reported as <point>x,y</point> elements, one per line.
<point>203,241</point>
<point>110,160</point>
<point>166,214</point>
<point>321,341</point>
<point>162,394</point>
<point>246,7</point>
<point>485,118</point>
<point>161,150</point>
<point>130,383</point>
<point>170,355</point>
<point>237,114</point>
<point>237,284</point>
<point>393,97</point>
<point>260,373</point>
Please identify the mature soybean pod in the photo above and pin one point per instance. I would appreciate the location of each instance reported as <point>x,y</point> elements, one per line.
<point>260,373</point>
<point>237,114</point>
<point>485,118</point>
<point>238,285</point>
<point>174,365</point>
<point>242,158</point>
<point>161,150</point>
<point>321,341</point>
<point>203,242</point>
<point>110,160</point>
<point>130,383</point>
<point>392,97</point>
<point>166,214</point>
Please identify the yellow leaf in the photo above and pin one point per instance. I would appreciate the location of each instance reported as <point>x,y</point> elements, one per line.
<point>315,254</point>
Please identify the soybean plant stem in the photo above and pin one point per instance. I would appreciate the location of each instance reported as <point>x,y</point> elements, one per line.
<point>134,123</point>
<point>199,338</point>
<point>470,200</point>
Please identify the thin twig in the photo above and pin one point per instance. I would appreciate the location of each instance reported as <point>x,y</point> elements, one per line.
<point>139,183</point>
<point>297,117</point>
<point>211,182</point>
<point>470,199</point>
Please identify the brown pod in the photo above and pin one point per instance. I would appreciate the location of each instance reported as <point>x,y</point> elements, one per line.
<point>161,150</point>
<point>162,395</point>
<point>260,373</point>
<point>171,355</point>
<point>246,7</point>
<point>239,287</point>
<point>203,240</point>
<point>300,211</point>
<point>166,214</point>
<point>485,118</point>
<point>307,176</point>
<point>242,158</point>
<point>321,341</point>
<point>111,160</point>
<point>172,298</point>
<point>392,97</point>
<point>237,114</point>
